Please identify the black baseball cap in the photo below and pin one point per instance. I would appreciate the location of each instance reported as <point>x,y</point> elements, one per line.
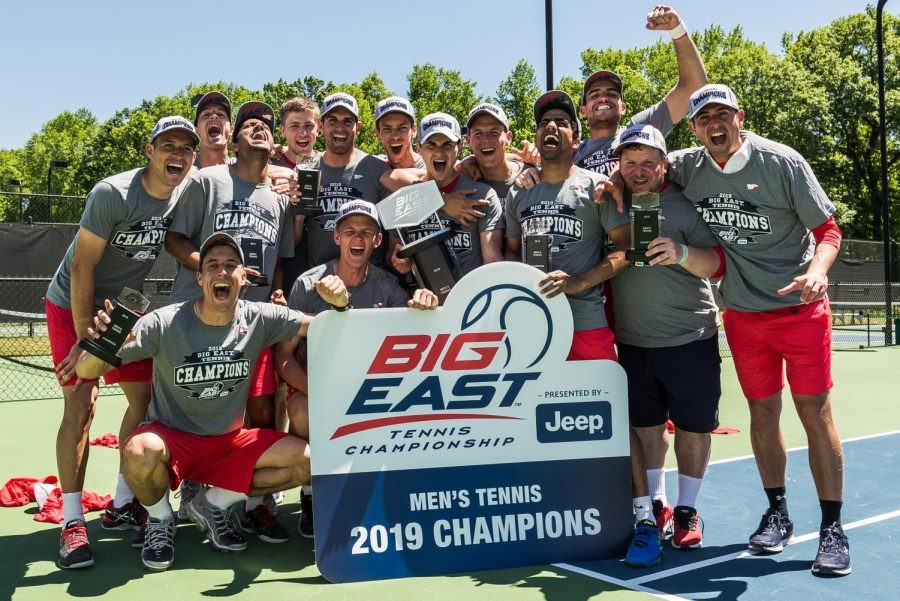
<point>214,97</point>
<point>220,239</point>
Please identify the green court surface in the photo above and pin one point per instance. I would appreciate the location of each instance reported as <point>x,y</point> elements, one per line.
<point>865,403</point>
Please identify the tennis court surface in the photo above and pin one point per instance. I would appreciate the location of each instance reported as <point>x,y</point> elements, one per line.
<point>730,504</point>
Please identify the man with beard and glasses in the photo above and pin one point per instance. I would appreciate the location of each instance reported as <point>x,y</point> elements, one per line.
<point>236,199</point>
<point>562,207</point>
<point>120,235</point>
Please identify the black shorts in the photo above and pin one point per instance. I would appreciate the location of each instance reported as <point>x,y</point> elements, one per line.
<point>680,383</point>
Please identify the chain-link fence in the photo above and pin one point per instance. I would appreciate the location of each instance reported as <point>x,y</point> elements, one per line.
<point>26,370</point>
<point>25,207</point>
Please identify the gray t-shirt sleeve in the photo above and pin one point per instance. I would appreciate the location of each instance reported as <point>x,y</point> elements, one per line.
<point>148,330</point>
<point>281,323</point>
<point>809,199</point>
<point>657,115</point>
<point>104,210</point>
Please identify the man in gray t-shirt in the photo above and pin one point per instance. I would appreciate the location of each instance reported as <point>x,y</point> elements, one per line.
<point>203,351</point>
<point>776,228</point>
<point>666,330</point>
<point>603,106</point>
<point>122,230</point>
<point>357,234</point>
<point>562,207</point>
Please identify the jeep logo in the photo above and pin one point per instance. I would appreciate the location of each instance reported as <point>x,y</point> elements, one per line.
<point>571,422</point>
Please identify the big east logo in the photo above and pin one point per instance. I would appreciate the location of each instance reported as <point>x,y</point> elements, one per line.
<point>406,371</point>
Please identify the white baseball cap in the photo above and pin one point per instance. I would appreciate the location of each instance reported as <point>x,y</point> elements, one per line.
<point>357,207</point>
<point>172,123</point>
<point>486,108</point>
<point>646,135</point>
<point>394,104</point>
<point>439,123</point>
<point>713,93</point>
<point>340,99</point>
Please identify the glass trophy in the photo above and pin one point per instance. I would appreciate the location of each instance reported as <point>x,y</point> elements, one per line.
<point>645,219</point>
<point>130,305</point>
<point>432,262</point>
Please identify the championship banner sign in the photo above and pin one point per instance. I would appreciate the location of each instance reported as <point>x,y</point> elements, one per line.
<point>461,439</point>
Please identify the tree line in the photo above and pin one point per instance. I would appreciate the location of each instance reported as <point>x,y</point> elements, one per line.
<point>818,95</point>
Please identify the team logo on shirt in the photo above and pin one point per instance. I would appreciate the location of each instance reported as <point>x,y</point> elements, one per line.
<point>331,199</point>
<point>553,218</point>
<point>142,241</point>
<point>735,221</point>
<point>212,373</point>
<point>460,241</point>
<point>242,217</point>
<point>600,161</point>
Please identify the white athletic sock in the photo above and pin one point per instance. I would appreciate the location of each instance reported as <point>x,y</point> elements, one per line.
<point>656,484</point>
<point>643,508</point>
<point>123,492</point>
<point>306,489</point>
<point>72,509</point>
<point>688,490</point>
<point>252,503</point>
<point>162,509</point>
<point>223,498</point>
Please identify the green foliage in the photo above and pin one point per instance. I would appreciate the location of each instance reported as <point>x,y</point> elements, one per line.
<point>819,96</point>
<point>435,89</point>
<point>516,94</point>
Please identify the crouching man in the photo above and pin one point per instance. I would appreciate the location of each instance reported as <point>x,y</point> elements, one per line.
<point>203,352</point>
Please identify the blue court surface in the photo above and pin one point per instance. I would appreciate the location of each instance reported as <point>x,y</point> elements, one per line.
<point>731,504</point>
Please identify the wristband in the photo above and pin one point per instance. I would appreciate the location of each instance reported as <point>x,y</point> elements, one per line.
<point>684,254</point>
<point>678,31</point>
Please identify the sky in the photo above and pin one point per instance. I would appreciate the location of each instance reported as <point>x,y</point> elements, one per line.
<point>105,55</point>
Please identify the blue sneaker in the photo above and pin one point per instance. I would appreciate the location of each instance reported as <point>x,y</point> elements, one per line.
<point>644,550</point>
<point>775,532</point>
<point>833,558</point>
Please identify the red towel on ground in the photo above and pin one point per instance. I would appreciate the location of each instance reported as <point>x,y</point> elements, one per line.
<point>107,440</point>
<point>20,491</point>
<point>53,508</point>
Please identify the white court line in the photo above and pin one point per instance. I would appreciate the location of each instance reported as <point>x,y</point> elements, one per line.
<point>791,450</point>
<point>636,584</point>
<point>622,583</point>
<point>745,554</point>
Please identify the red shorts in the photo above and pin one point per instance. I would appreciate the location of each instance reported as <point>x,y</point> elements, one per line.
<point>61,329</point>
<point>763,343</point>
<point>226,460</point>
<point>598,343</point>
<point>263,380</point>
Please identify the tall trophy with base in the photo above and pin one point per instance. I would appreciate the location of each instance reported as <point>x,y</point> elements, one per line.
<point>432,263</point>
<point>645,220</point>
<point>308,184</point>
<point>130,305</point>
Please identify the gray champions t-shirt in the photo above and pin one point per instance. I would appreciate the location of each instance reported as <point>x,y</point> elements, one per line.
<point>597,155</point>
<point>379,289</point>
<point>201,373</point>
<point>665,305</point>
<point>134,225</point>
<point>216,200</point>
<point>577,227</point>
<point>763,216</point>
<point>360,179</point>
<point>466,240</point>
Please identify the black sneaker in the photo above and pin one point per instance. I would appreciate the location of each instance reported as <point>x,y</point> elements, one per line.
<point>74,548</point>
<point>774,533</point>
<point>833,558</point>
<point>159,544</point>
<point>305,527</point>
<point>137,541</point>
<point>186,492</point>
<point>129,516</point>
<point>264,524</point>
<point>217,524</point>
